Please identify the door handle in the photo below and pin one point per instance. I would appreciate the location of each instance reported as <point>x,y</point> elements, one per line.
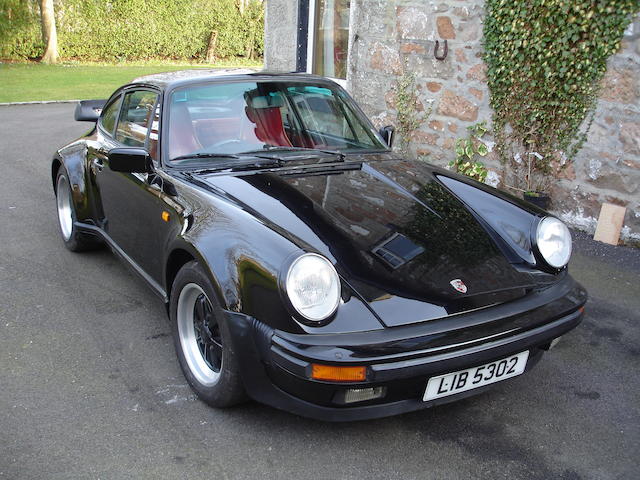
<point>98,164</point>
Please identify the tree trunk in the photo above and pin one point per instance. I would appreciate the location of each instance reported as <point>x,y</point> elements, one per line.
<point>49,34</point>
<point>211,48</point>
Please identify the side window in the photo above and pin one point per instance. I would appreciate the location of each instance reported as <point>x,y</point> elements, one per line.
<point>135,117</point>
<point>109,115</point>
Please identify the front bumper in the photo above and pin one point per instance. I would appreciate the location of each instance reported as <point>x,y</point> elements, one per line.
<point>275,365</point>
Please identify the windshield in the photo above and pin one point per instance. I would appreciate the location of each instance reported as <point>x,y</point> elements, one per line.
<point>233,118</point>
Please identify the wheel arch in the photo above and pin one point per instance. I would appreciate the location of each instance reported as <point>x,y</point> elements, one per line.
<point>243,283</point>
<point>73,160</point>
<point>56,163</point>
<point>181,254</point>
<point>177,259</point>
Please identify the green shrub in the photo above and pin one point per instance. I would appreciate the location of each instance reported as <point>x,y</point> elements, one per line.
<point>20,34</point>
<point>466,150</point>
<point>134,29</point>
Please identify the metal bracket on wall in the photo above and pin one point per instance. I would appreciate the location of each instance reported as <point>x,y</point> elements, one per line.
<point>444,53</point>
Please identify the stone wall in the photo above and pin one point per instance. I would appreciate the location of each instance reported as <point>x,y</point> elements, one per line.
<point>281,34</point>
<point>607,169</point>
<point>389,37</point>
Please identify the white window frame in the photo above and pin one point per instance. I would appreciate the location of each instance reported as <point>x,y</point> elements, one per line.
<point>311,40</point>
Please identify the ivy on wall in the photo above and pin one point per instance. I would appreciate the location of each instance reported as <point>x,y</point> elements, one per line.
<point>545,62</point>
<point>134,29</point>
<point>409,114</point>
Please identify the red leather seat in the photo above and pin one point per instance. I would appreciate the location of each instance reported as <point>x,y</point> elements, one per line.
<point>182,135</point>
<point>268,119</point>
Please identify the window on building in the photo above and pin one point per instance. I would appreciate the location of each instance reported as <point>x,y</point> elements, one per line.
<point>330,27</point>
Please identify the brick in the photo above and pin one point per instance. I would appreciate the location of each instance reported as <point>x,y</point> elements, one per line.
<point>462,12</point>
<point>470,32</point>
<point>619,86</point>
<point>425,138</point>
<point>434,86</point>
<point>386,59</point>
<point>478,72</point>
<point>452,105</point>
<point>448,143</point>
<point>412,23</point>
<point>567,173</point>
<point>436,125</point>
<point>390,99</point>
<point>412,48</point>
<point>605,177</point>
<point>630,137</point>
<point>616,200</point>
<point>445,28</point>
<point>476,93</point>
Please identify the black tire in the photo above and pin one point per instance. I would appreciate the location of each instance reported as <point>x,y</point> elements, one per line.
<point>221,388</point>
<point>72,238</point>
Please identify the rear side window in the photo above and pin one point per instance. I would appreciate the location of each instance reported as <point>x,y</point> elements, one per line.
<point>109,115</point>
<point>135,117</point>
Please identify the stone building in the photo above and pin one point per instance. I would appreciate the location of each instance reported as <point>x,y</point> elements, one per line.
<point>366,45</point>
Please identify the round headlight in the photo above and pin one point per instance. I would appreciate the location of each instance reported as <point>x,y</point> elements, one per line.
<point>313,287</point>
<point>553,240</point>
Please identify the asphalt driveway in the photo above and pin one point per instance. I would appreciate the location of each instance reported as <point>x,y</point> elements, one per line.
<point>90,387</point>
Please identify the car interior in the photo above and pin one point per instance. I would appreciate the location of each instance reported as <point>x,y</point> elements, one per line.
<point>233,120</point>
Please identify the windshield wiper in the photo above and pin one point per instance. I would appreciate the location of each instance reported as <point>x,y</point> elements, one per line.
<point>190,156</point>
<point>238,162</point>
<point>271,148</point>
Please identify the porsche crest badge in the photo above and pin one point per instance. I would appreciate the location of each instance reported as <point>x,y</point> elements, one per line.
<point>459,285</point>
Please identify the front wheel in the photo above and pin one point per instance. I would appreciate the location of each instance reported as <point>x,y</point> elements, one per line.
<point>202,339</point>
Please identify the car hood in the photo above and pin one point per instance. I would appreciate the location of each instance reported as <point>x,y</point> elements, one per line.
<point>402,240</point>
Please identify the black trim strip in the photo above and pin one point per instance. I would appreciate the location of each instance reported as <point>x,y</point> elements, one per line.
<point>303,35</point>
<point>155,286</point>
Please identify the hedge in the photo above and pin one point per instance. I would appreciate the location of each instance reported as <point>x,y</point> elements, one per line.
<point>134,29</point>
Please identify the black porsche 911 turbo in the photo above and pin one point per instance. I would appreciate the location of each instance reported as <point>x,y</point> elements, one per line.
<point>302,263</point>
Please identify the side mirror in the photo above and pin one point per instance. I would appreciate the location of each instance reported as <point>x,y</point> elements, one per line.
<point>387,134</point>
<point>88,110</point>
<point>130,160</point>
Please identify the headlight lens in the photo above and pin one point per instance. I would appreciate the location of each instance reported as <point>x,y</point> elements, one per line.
<point>554,242</point>
<point>313,287</point>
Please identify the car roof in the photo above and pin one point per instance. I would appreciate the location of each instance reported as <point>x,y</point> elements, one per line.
<point>169,80</point>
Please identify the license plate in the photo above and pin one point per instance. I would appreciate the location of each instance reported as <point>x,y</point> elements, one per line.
<point>463,380</point>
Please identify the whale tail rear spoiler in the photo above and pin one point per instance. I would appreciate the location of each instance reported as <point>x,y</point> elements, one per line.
<point>88,110</point>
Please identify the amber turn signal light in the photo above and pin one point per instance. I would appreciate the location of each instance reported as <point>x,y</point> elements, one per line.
<point>165,216</point>
<point>333,373</point>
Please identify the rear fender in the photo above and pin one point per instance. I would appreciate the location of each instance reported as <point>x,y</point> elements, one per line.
<point>73,159</point>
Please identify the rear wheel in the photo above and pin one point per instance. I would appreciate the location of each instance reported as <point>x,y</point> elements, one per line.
<point>73,240</point>
<point>202,339</point>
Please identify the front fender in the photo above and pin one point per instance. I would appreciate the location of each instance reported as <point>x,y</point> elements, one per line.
<point>244,258</point>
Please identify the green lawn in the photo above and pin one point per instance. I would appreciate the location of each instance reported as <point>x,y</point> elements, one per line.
<point>25,82</point>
